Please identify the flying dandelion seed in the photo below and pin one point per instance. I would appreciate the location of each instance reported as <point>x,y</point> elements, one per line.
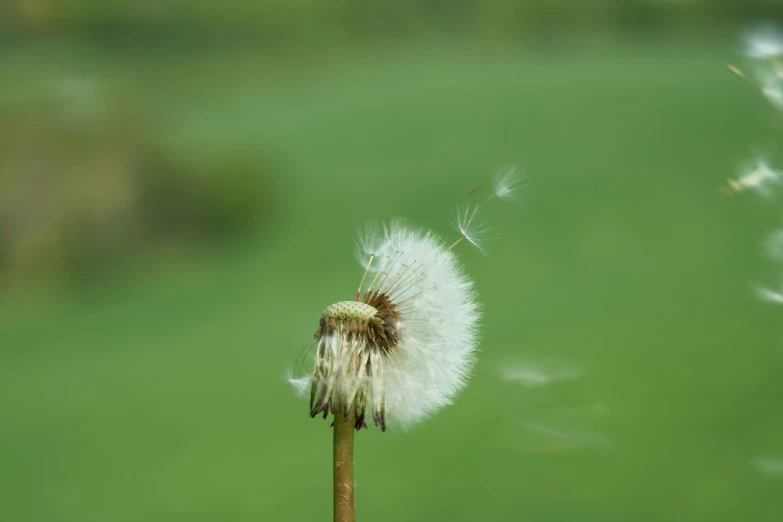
<point>768,295</point>
<point>772,90</point>
<point>770,465</point>
<point>533,371</point>
<point>759,177</point>
<point>301,385</point>
<point>507,180</point>
<point>773,245</point>
<point>764,42</point>
<point>472,227</point>
<point>567,434</point>
<point>773,248</point>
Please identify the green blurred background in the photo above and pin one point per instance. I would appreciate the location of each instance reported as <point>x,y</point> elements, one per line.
<point>180,186</point>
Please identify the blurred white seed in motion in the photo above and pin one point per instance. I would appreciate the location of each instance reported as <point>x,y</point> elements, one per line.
<point>771,465</point>
<point>763,45</point>
<point>301,385</point>
<point>568,435</point>
<point>773,245</point>
<point>763,42</point>
<point>769,295</point>
<point>507,180</point>
<point>772,89</point>
<point>759,177</point>
<point>533,371</point>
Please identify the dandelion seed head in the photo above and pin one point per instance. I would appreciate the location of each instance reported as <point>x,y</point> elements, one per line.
<point>405,346</point>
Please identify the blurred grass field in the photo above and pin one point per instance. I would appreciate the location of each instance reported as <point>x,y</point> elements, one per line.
<point>161,394</point>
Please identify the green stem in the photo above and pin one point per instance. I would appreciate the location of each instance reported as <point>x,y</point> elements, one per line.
<point>343,468</point>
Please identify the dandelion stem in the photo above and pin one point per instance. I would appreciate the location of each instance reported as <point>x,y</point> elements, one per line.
<point>343,467</point>
<point>455,243</point>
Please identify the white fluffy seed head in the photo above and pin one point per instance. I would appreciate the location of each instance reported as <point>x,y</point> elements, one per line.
<point>438,332</point>
<point>407,346</point>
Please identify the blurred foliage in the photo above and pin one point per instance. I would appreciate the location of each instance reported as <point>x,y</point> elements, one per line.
<point>86,184</point>
<point>292,22</point>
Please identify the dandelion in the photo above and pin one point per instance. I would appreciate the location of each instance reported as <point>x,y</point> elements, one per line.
<point>403,346</point>
<point>401,349</point>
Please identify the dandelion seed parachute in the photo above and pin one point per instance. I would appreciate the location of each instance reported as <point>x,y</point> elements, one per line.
<point>764,42</point>
<point>472,227</point>
<point>404,347</point>
<point>758,176</point>
<point>537,370</point>
<point>507,180</point>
